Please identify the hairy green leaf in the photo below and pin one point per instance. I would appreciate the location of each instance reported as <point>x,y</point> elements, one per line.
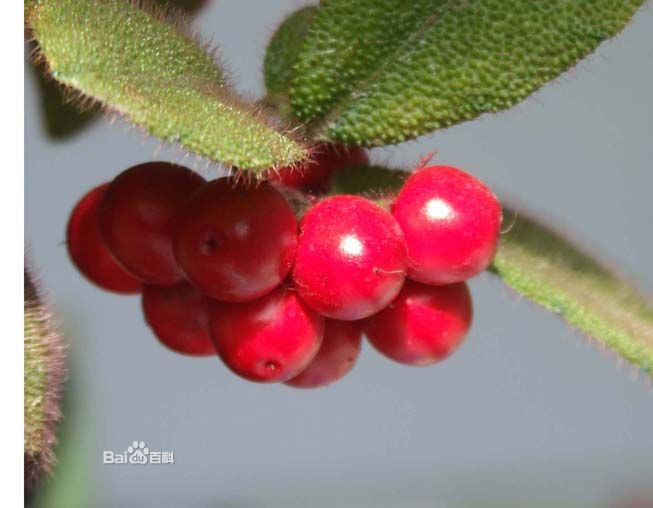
<point>149,68</point>
<point>62,118</point>
<point>284,48</point>
<point>43,359</point>
<point>69,485</point>
<point>544,267</point>
<point>374,72</point>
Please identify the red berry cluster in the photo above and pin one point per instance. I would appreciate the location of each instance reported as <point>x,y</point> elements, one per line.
<point>224,266</point>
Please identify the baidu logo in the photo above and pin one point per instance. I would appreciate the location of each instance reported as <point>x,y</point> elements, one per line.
<point>138,454</point>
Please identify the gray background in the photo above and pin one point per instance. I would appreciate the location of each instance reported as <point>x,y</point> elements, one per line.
<point>526,414</point>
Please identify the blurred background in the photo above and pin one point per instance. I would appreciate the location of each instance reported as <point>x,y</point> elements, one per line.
<point>527,413</point>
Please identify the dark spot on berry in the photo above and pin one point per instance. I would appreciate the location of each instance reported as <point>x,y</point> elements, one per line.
<point>209,244</point>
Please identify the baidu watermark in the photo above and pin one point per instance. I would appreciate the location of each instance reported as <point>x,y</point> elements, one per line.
<point>138,454</point>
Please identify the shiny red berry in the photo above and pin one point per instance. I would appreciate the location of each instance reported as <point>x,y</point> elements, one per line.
<point>236,241</point>
<point>268,340</point>
<point>138,215</point>
<point>336,357</point>
<point>88,251</point>
<point>314,175</point>
<point>451,223</point>
<point>178,316</point>
<point>423,325</point>
<point>351,258</point>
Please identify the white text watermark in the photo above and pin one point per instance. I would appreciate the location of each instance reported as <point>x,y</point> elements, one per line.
<point>138,454</point>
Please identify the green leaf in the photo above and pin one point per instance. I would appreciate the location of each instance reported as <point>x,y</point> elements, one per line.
<point>374,72</point>
<point>546,268</point>
<point>63,118</point>
<point>149,68</point>
<point>373,181</point>
<point>43,371</point>
<point>284,48</point>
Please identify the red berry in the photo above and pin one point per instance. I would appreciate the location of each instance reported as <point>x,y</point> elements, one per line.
<point>423,325</point>
<point>268,340</point>
<point>314,175</point>
<point>138,215</point>
<point>88,251</point>
<point>236,240</point>
<point>451,223</point>
<point>336,357</point>
<point>351,258</point>
<point>178,316</point>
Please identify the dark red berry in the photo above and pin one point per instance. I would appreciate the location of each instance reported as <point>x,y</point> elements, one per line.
<point>268,340</point>
<point>88,251</point>
<point>336,357</point>
<point>314,175</point>
<point>178,316</point>
<point>235,240</point>
<point>423,325</point>
<point>351,258</point>
<point>451,223</point>
<point>138,215</point>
